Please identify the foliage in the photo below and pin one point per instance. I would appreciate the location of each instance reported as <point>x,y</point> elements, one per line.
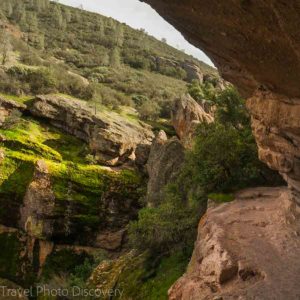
<point>170,225</point>
<point>148,111</point>
<point>66,269</point>
<point>201,92</point>
<point>224,157</point>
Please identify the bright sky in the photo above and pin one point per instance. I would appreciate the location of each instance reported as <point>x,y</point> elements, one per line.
<point>140,15</point>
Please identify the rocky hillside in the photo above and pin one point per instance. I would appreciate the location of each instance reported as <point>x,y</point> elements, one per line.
<point>50,47</point>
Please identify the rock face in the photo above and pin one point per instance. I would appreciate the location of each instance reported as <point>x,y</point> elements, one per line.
<point>165,160</point>
<point>276,126</point>
<point>241,247</point>
<point>186,115</point>
<point>37,213</point>
<point>44,216</point>
<point>255,46</point>
<point>112,138</point>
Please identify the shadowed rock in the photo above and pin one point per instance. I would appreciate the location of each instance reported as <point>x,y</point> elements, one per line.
<point>164,164</point>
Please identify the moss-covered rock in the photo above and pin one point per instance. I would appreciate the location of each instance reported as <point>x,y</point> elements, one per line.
<point>139,276</point>
<point>74,201</point>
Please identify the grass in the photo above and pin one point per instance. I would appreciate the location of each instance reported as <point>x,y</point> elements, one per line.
<point>20,99</point>
<point>221,198</point>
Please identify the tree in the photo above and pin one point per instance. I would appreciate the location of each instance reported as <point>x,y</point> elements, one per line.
<point>5,47</point>
<point>231,109</point>
<point>8,9</point>
<point>68,16</point>
<point>119,35</point>
<point>171,225</point>
<point>32,22</point>
<point>18,12</point>
<point>58,18</point>
<point>149,111</point>
<point>115,59</point>
<point>224,157</point>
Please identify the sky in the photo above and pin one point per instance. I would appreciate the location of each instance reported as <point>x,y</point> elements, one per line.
<point>140,15</point>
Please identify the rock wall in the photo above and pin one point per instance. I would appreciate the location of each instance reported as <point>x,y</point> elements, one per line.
<point>45,216</point>
<point>247,249</point>
<point>163,166</point>
<point>256,46</point>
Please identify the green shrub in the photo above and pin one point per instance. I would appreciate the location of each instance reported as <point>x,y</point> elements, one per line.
<point>224,157</point>
<point>149,111</point>
<point>170,225</point>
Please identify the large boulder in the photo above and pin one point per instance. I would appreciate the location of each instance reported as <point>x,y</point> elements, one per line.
<point>187,114</point>
<point>247,249</point>
<point>193,72</point>
<point>8,107</point>
<point>112,138</point>
<point>164,164</point>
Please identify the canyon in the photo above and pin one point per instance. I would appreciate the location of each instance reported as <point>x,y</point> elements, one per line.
<point>101,180</point>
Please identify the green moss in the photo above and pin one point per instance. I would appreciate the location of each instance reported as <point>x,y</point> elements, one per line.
<point>221,198</point>
<point>21,99</point>
<point>15,176</point>
<point>44,141</point>
<point>92,179</point>
<point>69,147</point>
<point>27,138</point>
<point>85,185</point>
